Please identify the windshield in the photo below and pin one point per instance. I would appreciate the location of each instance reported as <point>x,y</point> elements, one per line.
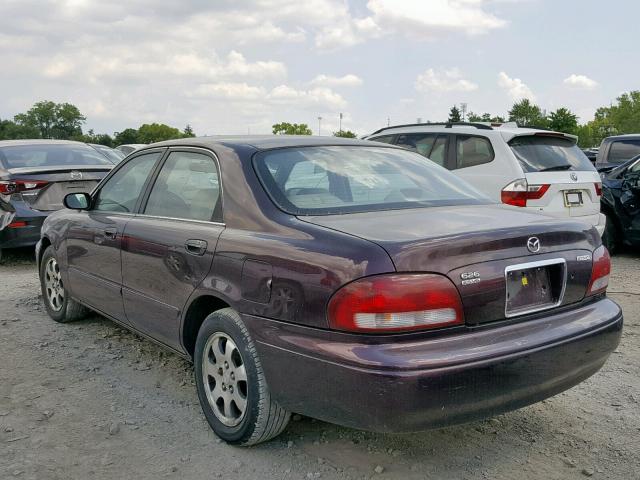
<point>549,153</point>
<point>50,155</point>
<point>330,180</point>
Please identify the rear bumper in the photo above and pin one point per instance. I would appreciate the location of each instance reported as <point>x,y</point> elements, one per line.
<point>411,383</point>
<point>15,237</point>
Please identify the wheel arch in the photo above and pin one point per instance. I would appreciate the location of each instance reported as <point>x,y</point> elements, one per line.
<point>200,307</point>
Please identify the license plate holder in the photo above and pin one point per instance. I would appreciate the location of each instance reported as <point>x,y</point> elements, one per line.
<point>572,198</point>
<point>534,286</point>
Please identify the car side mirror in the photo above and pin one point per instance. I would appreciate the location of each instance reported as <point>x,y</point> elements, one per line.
<point>77,201</point>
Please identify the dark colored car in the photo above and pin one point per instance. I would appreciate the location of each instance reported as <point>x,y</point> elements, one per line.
<point>35,175</point>
<point>344,280</point>
<point>591,154</point>
<point>621,205</point>
<point>616,150</point>
<point>115,156</point>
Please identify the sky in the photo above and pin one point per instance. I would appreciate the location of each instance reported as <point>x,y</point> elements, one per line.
<point>239,66</point>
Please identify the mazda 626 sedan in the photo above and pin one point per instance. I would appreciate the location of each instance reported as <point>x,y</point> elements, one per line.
<point>340,279</point>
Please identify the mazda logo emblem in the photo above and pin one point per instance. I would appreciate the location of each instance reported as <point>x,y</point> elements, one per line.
<point>533,244</point>
<point>574,177</point>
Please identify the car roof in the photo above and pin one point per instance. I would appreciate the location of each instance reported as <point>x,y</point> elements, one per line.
<point>621,137</point>
<point>261,142</point>
<point>39,141</point>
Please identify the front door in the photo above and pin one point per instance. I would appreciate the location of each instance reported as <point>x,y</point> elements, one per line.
<point>168,249</point>
<point>93,241</point>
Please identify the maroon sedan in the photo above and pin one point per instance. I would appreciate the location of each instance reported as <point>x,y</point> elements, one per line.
<point>343,280</point>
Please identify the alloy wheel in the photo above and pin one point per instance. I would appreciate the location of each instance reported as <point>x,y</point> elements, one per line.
<point>225,379</point>
<point>53,284</point>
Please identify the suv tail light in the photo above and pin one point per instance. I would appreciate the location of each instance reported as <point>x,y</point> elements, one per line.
<point>519,191</point>
<point>9,187</point>
<point>598,186</point>
<point>599,271</point>
<point>396,303</point>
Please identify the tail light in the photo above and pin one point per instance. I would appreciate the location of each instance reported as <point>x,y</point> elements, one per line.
<point>598,186</point>
<point>9,187</point>
<point>600,271</point>
<point>396,303</point>
<point>519,191</point>
<point>17,224</point>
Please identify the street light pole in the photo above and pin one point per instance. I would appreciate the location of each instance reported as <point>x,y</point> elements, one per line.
<point>319,123</point>
<point>340,127</point>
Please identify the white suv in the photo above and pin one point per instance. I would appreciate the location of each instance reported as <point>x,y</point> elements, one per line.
<point>525,167</point>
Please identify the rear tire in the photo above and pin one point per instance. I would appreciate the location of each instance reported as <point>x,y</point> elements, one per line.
<point>231,385</point>
<point>611,236</point>
<point>60,306</point>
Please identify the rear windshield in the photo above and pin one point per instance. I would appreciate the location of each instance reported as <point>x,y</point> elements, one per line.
<point>333,180</point>
<point>548,154</point>
<point>47,155</point>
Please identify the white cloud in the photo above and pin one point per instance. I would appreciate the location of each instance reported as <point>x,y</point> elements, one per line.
<point>349,80</point>
<point>515,87</point>
<point>580,82</point>
<point>319,97</point>
<point>231,91</point>
<point>439,81</point>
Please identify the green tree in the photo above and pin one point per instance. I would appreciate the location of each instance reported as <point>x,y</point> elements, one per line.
<point>10,130</point>
<point>128,135</point>
<point>485,117</point>
<point>345,134</point>
<point>563,120</point>
<point>188,132</point>
<point>285,128</point>
<point>157,132</point>
<point>52,120</point>
<point>454,115</point>
<point>525,113</point>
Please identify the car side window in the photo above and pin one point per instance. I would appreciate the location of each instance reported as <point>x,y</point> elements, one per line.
<point>437,154</point>
<point>623,150</point>
<point>472,151</point>
<point>417,142</point>
<point>383,139</point>
<point>187,187</point>
<point>120,193</point>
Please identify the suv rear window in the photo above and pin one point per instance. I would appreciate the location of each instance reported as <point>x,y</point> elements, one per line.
<point>541,153</point>
<point>48,155</point>
<point>623,150</point>
<point>335,180</point>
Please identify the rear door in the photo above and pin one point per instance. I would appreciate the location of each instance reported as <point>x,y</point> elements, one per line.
<point>94,237</point>
<point>553,163</point>
<point>168,248</point>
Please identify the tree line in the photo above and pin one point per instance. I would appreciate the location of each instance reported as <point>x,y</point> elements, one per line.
<point>64,121</point>
<point>619,118</point>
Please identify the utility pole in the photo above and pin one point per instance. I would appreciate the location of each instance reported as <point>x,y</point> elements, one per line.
<point>388,121</point>
<point>319,124</point>
<point>340,124</point>
<point>463,107</point>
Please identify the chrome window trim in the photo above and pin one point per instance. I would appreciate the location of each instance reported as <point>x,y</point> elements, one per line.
<point>206,222</point>
<point>539,263</point>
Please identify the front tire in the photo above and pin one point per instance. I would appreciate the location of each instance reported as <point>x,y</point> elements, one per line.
<point>231,385</point>
<point>60,306</point>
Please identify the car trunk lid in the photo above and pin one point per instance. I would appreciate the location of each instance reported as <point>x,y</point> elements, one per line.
<point>51,185</point>
<point>475,246</point>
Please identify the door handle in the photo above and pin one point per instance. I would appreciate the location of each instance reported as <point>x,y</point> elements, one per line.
<point>111,233</point>
<point>195,247</point>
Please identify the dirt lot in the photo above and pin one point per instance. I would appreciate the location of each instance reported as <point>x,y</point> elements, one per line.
<point>90,400</point>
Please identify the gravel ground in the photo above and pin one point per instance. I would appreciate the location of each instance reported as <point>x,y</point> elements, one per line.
<point>91,400</point>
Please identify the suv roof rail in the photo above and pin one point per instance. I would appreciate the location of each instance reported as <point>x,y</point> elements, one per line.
<point>480,126</point>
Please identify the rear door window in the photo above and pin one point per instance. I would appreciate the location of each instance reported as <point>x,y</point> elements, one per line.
<point>439,151</point>
<point>472,151</point>
<point>421,143</point>
<point>540,153</point>
<point>623,150</point>
<point>187,187</point>
<point>383,139</point>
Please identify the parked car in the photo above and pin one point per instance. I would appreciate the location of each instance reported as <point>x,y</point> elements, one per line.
<point>35,175</point>
<point>131,147</point>
<point>621,205</point>
<point>617,150</point>
<point>112,154</point>
<point>539,170</point>
<point>591,154</point>
<point>345,280</point>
